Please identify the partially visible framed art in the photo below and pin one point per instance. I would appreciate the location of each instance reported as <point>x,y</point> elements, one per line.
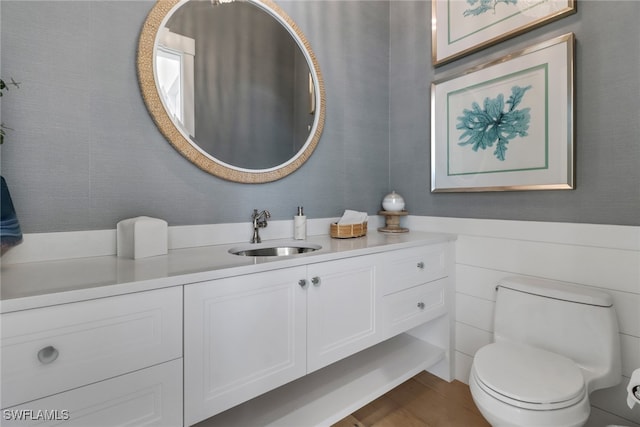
<point>460,27</point>
<point>506,125</point>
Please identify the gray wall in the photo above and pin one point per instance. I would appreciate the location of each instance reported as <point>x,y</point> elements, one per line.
<point>607,109</point>
<point>85,154</point>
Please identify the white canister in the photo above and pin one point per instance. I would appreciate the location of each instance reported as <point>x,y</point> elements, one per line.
<point>393,202</point>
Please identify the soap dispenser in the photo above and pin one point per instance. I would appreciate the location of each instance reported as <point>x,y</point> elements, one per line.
<point>299,225</point>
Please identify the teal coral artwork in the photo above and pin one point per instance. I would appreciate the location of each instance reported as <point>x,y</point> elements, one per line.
<point>478,7</point>
<point>496,122</point>
<point>506,125</point>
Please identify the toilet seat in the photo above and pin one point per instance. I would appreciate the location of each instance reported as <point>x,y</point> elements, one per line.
<point>528,377</point>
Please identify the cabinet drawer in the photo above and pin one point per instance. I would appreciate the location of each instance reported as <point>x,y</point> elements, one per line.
<point>412,307</point>
<point>52,349</point>
<point>149,397</point>
<point>411,267</point>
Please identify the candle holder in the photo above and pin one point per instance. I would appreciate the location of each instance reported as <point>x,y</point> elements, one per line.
<point>392,222</point>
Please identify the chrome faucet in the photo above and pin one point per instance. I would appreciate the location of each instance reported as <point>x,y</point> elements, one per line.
<point>259,223</point>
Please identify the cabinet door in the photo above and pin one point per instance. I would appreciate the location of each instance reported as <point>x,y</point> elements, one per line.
<point>243,336</point>
<point>341,304</point>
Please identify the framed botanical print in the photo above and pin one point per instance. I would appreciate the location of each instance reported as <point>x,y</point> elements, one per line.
<point>507,124</point>
<point>460,27</point>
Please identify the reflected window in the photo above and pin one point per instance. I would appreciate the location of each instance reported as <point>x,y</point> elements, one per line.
<point>175,56</point>
<point>169,68</point>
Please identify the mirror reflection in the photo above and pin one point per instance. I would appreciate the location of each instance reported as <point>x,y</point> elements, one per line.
<point>233,79</point>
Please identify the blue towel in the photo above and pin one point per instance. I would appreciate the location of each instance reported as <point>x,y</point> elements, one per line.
<point>10,233</point>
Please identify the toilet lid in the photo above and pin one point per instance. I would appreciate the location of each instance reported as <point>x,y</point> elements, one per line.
<point>528,377</point>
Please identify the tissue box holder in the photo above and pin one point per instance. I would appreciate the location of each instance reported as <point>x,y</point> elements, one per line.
<point>141,237</point>
<point>347,231</point>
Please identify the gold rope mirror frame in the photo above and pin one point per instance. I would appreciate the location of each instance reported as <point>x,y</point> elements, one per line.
<point>146,77</point>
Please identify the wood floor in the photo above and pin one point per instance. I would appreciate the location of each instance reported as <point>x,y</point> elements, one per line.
<point>423,401</point>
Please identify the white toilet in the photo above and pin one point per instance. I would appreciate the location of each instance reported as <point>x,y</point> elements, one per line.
<point>554,343</point>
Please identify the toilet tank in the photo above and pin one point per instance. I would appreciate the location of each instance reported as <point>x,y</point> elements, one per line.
<point>575,321</point>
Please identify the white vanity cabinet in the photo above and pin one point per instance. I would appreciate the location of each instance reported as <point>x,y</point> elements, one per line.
<point>249,334</point>
<point>109,361</point>
<point>223,340</point>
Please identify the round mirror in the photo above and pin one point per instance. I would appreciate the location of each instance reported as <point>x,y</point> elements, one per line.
<point>233,85</point>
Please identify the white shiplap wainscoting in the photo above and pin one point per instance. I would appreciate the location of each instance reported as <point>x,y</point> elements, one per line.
<point>606,257</point>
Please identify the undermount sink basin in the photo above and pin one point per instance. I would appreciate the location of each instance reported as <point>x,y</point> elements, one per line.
<point>283,249</point>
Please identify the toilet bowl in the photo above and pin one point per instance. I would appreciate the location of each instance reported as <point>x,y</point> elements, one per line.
<point>554,343</point>
<point>517,385</point>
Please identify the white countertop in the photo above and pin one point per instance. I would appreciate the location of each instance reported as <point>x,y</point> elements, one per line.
<point>38,284</point>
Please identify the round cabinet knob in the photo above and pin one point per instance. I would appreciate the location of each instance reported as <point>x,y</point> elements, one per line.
<point>315,281</point>
<point>302,283</point>
<point>420,265</point>
<point>421,305</point>
<point>48,355</point>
